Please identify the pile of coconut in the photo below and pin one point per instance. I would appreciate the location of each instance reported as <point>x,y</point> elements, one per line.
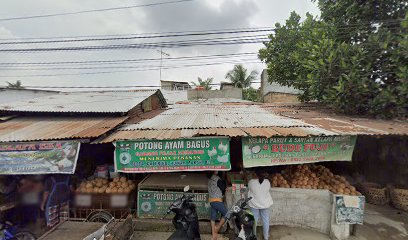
<point>101,185</point>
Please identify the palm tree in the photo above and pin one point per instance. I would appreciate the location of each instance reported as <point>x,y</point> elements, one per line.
<point>17,85</point>
<point>204,83</point>
<point>238,76</point>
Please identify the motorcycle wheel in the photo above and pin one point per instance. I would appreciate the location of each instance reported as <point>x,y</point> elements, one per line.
<point>24,236</point>
<point>102,217</point>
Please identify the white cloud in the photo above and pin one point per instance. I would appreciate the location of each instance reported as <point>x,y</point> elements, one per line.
<point>196,15</point>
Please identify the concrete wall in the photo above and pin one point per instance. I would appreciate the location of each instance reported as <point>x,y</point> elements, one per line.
<point>225,93</point>
<point>274,97</point>
<point>302,208</point>
<point>267,87</point>
<point>382,159</point>
<point>174,86</point>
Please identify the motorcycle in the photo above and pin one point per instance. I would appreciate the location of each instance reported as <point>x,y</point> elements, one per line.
<point>186,220</point>
<point>242,219</point>
<point>8,231</point>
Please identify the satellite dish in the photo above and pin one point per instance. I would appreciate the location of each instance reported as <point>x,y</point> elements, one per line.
<point>187,188</point>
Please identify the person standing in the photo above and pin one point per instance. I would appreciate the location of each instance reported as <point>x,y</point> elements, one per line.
<point>55,199</point>
<point>216,191</point>
<point>259,189</point>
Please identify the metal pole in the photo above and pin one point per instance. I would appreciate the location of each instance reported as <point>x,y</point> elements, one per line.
<point>161,61</point>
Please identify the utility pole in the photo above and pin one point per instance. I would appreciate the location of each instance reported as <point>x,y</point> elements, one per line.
<point>161,60</point>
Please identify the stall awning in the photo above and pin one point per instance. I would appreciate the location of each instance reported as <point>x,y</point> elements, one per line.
<point>56,128</point>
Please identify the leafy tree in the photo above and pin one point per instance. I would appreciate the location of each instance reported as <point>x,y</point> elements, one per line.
<point>353,58</point>
<point>250,94</point>
<point>204,83</point>
<point>17,85</point>
<point>239,76</point>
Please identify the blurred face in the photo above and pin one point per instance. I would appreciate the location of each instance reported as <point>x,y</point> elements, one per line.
<point>215,172</point>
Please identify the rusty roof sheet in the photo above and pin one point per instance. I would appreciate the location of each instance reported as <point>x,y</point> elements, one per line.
<point>46,128</point>
<point>324,118</point>
<point>228,132</point>
<point>83,102</point>
<point>192,120</point>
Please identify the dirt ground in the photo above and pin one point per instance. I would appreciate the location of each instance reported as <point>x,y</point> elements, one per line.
<point>380,223</point>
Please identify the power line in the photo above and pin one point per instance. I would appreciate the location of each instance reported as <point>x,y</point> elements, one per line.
<point>127,37</point>
<point>105,67</point>
<point>111,87</point>
<point>167,44</point>
<point>93,10</point>
<point>343,26</point>
<point>124,71</point>
<point>137,34</point>
<point>119,61</point>
<point>151,45</point>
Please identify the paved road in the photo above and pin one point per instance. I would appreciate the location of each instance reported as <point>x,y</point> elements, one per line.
<point>277,232</point>
<point>380,223</point>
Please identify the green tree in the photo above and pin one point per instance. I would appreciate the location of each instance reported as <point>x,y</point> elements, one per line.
<point>17,85</point>
<point>204,83</point>
<point>250,94</point>
<point>352,58</point>
<point>240,78</point>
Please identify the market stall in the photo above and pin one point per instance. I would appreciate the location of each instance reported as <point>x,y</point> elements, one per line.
<point>305,194</point>
<point>158,190</point>
<point>39,188</point>
<point>115,196</point>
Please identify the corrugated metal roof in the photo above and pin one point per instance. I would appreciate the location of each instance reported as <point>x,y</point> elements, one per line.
<point>324,118</point>
<point>8,95</point>
<point>83,102</point>
<point>46,128</point>
<point>229,132</point>
<point>215,116</point>
<point>192,120</point>
<point>172,97</point>
<point>184,121</point>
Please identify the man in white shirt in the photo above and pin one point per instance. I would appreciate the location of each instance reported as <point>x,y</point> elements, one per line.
<point>259,189</point>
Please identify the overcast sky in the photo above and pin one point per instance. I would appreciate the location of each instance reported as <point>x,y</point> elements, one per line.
<point>186,16</point>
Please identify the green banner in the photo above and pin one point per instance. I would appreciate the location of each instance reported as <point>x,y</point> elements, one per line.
<point>154,204</point>
<point>196,154</point>
<point>295,150</point>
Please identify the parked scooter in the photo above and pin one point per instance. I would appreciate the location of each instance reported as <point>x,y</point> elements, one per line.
<point>186,220</point>
<point>243,220</point>
<point>8,231</point>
